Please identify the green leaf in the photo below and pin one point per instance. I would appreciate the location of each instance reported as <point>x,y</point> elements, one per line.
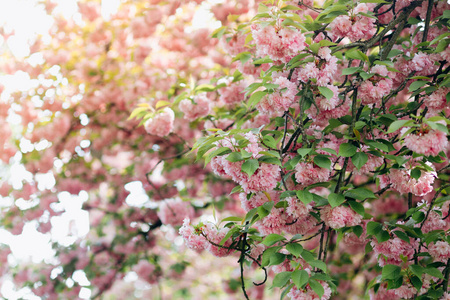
<point>360,194</point>
<point>359,159</point>
<point>394,52</point>
<point>219,32</point>
<point>228,235</point>
<point>401,235</point>
<point>307,256</point>
<point>267,254</point>
<point>243,57</point>
<point>256,97</point>
<point>357,207</point>
<point>205,88</point>
<point>305,196</point>
<point>383,236</point>
<point>322,161</point>
<point>318,264</point>
<point>232,219</point>
<point>396,125</point>
<point>250,166</point>
<point>300,278</point>
<point>352,70</point>
<point>390,272</point>
<point>264,60</point>
<point>303,151</point>
<point>365,75</point>
<point>276,259</point>
<point>236,189</point>
<point>295,249</point>
<point>286,291</point>
<point>317,287</point>
<point>347,150</point>
<point>326,92</point>
<point>268,140</point>
<point>269,160</point>
<point>416,173</point>
<point>433,272</point>
<point>264,210</point>
<point>417,270</point>
<point>234,157</point>
<point>416,282</point>
<point>356,54</point>
<point>418,216</point>
<point>329,150</point>
<point>272,239</point>
<point>281,279</point>
<point>218,152</point>
<point>358,230</point>
<point>335,199</point>
<point>374,228</point>
<point>416,85</point>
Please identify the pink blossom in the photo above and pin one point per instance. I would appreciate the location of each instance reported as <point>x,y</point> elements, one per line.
<point>308,71</point>
<point>427,143</point>
<point>433,222</point>
<point>403,182</point>
<point>279,101</point>
<point>233,93</point>
<point>405,291</point>
<point>174,211</point>
<point>309,294</point>
<point>422,63</point>
<point>161,124</point>
<point>146,271</point>
<point>328,104</point>
<point>215,236</point>
<point>257,199</point>
<point>265,178</point>
<point>192,240</point>
<point>322,117</point>
<point>437,101</point>
<point>373,90</point>
<point>308,173</point>
<point>340,216</point>
<point>392,204</point>
<point>305,225</point>
<point>297,208</point>
<point>198,108</point>
<point>274,222</point>
<point>90,11</point>
<point>389,252</point>
<point>280,45</point>
<point>356,26</point>
<point>373,162</point>
<point>439,250</point>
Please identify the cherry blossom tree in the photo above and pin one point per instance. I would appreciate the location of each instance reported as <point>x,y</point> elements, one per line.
<point>300,148</point>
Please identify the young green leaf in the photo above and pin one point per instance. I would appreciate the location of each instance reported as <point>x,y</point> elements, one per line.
<point>295,249</point>
<point>272,239</point>
<point>305,196</point>
<point>322,161</point>
<point>359,159</point>
<point>281,279</point>
<point>250,166</point>
<point>300,278</point>
<point>326,92</point>
<point>347,150</point>
<point>390,272</point>
<point>335,199</point>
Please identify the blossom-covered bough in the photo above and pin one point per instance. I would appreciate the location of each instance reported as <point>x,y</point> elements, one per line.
<point>303,144</point>
<point>343,94</point>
